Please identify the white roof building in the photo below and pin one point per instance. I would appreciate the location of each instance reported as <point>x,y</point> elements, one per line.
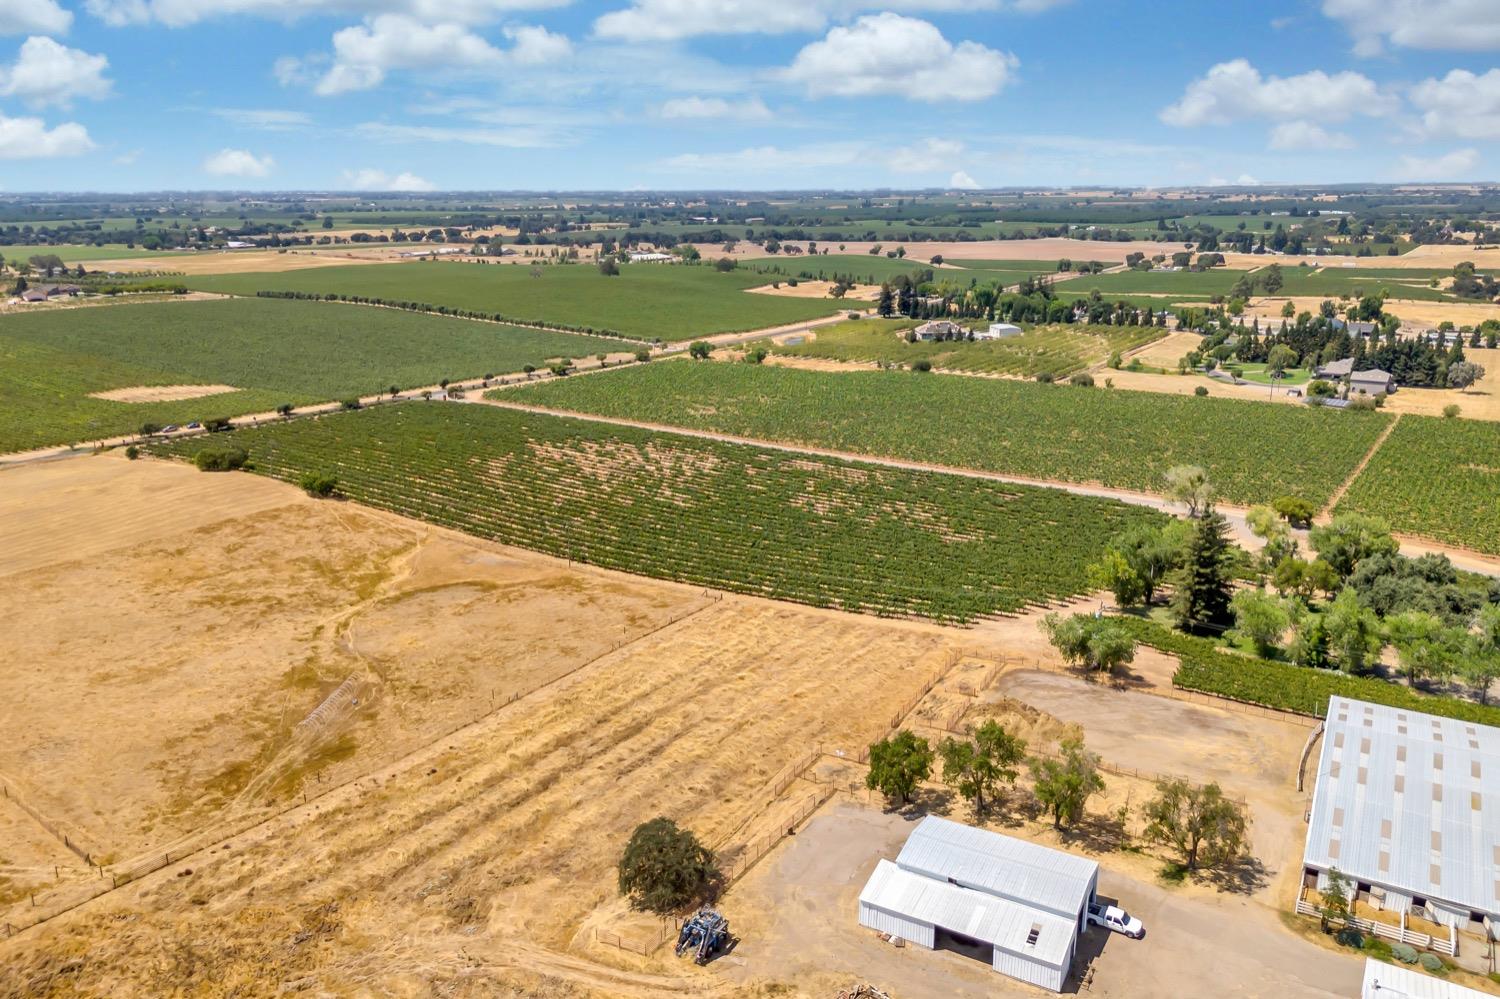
<point>1407,807</point>
<point>1016,905</point>
<point>1391,981</point>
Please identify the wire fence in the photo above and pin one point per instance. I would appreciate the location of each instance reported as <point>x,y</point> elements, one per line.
<point>67,839</point>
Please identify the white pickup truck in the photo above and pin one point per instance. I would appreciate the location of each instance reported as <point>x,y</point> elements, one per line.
<point>1112,918</point>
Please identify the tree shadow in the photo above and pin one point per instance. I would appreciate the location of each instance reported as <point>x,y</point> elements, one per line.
<point>1243,876</point>
<point>1098,832</point>
<point>925,800</point>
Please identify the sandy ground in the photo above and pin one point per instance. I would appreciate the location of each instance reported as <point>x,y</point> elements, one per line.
<point>817,289</point>
<point>1166,352</point>
<point>1422,315</point>
<point>161,393</point>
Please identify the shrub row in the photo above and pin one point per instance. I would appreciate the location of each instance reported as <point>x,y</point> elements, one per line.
<point>1209,669</point>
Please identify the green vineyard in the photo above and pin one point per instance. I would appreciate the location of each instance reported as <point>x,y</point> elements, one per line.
<point>1055,350</point>
<point>1435,478</point>
<point>1254,451</point>
<point>820,532</point>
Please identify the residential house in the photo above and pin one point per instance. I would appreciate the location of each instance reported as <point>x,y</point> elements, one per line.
<point>1335,371</point>
<point>941,329</point>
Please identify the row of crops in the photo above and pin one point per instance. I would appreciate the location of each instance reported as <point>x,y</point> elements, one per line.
<point>1437,479</point>
<point>270,352</point>
<point>1205,667</point>
<point>1253,451</point>
<point>1055,350</point>
<point>820,532</point>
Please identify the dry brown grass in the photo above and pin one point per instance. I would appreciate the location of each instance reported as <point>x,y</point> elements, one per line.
<point>161,393</point>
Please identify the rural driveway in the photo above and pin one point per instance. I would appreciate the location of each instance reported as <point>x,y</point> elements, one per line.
<point>796,915</point>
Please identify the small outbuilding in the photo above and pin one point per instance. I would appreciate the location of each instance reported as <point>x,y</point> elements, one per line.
<point>1016,906</point>
<point>1372,382</point>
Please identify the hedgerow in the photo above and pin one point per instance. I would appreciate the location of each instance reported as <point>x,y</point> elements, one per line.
<point>1205,667</point>
<point>822,532</point>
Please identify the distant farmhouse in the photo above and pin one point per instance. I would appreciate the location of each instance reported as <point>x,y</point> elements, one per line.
<point>941,329</point>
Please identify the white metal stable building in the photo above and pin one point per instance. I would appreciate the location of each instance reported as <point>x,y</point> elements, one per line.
<point>1407,807</point>
<point>1016,904</point>
<point>1391,981</point>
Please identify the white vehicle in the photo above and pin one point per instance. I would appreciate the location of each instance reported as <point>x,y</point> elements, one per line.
<point>1113,918</point>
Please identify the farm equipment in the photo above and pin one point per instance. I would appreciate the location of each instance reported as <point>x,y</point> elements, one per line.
<point>705,933</point>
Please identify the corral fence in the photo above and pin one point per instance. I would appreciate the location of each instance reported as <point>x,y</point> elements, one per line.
<point>13,794</point>
<point>1400,934</point>
<point>668,929</point>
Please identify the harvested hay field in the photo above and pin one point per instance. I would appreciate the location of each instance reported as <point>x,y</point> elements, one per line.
<point>815,289</point>
<point>471,862</point>
<point>248,604</point>
<point>247,261</point>
<point>161,393</point>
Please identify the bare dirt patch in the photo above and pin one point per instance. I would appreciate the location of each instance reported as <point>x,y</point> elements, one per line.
<point>816,289</point>
<point>161,393</point>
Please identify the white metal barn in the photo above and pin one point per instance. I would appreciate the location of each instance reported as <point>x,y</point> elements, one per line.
<point>1391,981</point>
<point>1407,807</point>
<point>1017,905</point>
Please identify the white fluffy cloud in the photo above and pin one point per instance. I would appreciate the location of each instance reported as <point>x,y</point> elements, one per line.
<point>364,54</point>
<point>18,17</point>
<point>50,73</point>
<point>962,181</point>
<point>30,138</point>
<point>237,163</point>
<point>669,20</point>
<point>1457,165</point>
<point>379,180</point>
<point>1235,91</point>
<point>927,156</point>
<point>750,109</point>
<point>178,13</point>
<point>1461,104</point>
<point>887,53</point>
<point>1307,137</point>
<point>1467,25</point>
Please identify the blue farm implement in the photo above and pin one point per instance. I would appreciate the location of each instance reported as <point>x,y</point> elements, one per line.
<point>705,934</point>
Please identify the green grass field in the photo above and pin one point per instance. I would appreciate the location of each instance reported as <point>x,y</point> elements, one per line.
<point>82,254</point>
<point>1056,350</point>
<point>1334,281</point>
<point>646,301</point>
<point>821,532</point>
<point>1203,283</point>
<point>1437,479</point>
<point>273,351</point>
<point>1254,451</point>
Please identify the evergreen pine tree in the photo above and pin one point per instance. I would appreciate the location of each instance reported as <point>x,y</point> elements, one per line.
<point>1202,585</point>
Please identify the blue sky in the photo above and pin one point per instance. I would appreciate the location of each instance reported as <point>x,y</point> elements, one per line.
<point>124,95</point>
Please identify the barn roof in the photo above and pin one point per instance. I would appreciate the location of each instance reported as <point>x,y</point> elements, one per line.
<point>999,865</point>
<point>1410,801</point>
<point>998,921</point>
